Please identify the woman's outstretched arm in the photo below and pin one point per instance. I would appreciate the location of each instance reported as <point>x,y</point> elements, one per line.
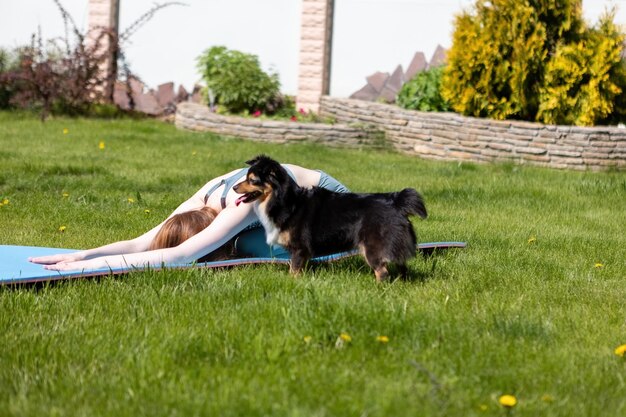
<point>226,225</point>
<point>138,244</point>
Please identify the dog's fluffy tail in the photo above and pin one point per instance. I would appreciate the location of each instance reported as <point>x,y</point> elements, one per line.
<point>409,202</point>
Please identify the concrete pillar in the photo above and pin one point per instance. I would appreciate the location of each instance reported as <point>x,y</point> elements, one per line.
<point>104,14</point>
<point>315,52</point>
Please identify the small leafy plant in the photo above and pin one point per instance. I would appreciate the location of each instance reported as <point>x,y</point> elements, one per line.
<point>236,81</point>
<point>422,92</point>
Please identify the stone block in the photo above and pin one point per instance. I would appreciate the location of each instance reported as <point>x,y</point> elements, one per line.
<point>313,34</point>
<point>311,46</point>
<point>497,154</point>
<point>535,158</point>
<point>444,136</point>
<point>310,71</point>
<point>501,146</point>
<point>314,6</point>
<point>567,161</point>
<point>312,58</point>
<point>469,156</point>
<point>314,21</point>
<point>471,144</point>
<point>429,150</point>
<point>545,137</point>
<point>531,150</point>
<point>523,134</point>
<point>512,140</point>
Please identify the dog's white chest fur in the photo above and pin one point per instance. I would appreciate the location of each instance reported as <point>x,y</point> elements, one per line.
<point>272,233</point>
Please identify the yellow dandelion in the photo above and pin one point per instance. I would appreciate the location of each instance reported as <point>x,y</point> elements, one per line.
<point>507,400</point>
<point>598,265</point>
<point>307,339</point>
<point>382,339</point>
<point>131,200</point>
<point>532,240</point>
<point>5,201</point>
<point>62,228</point>
<point>620,350</point>
<point>65,195</point>
<point>342,340</point>
<point>101,145</point>
<point>66,131</point>
<point>146,211</point>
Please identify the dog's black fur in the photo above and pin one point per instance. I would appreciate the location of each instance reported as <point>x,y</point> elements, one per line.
<point>316,221</point>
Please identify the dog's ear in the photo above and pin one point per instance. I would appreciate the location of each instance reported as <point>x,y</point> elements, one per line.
<point>254,160</point>
<point>259,158</point>
<point>277,175</point>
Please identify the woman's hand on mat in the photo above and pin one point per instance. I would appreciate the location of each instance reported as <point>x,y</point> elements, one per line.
<point>55,259</point>
<point>71,266</point>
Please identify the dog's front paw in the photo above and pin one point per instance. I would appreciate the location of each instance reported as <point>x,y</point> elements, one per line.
<point>295,270</point>
<point>299,260</point>
<point>381,274</point>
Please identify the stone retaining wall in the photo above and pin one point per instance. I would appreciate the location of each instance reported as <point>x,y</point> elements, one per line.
<point>443,136</point>
<point>449,136</point>
<point>197,117</point>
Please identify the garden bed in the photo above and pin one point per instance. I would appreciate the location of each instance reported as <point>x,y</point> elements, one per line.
<point>452,137</point>
<point>193,116</point>
<point>431,135</point>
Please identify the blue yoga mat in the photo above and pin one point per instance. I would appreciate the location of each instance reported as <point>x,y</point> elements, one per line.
<point>15,268</point>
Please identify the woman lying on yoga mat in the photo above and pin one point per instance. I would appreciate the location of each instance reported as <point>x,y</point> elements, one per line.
<point>204,227</point>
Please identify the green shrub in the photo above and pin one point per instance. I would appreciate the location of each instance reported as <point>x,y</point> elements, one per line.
<point>533,60</point>
<point>422,92</point>
<point>584,80</point>
<point>238,82</point>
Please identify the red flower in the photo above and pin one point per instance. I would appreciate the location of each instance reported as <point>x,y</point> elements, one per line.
<point>256,113</point>
<point>301,111</point>
<point>294,118</point>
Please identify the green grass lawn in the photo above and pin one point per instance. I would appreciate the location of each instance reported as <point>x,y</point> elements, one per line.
<point>534,307</point>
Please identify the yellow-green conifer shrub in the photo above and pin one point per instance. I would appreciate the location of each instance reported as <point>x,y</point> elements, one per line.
<point>499,51</point>
<point>504,54</point>
<point>585,80</point>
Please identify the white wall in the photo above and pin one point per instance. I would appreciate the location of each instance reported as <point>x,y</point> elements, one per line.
<point>369,35</point>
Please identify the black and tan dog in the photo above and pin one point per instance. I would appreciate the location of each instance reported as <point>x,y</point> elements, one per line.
<point>316,221</point>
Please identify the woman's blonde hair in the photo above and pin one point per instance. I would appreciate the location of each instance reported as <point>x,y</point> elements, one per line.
<point>182,226</point>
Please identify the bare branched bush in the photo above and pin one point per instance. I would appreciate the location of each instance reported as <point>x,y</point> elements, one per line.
<point>73,74</point>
